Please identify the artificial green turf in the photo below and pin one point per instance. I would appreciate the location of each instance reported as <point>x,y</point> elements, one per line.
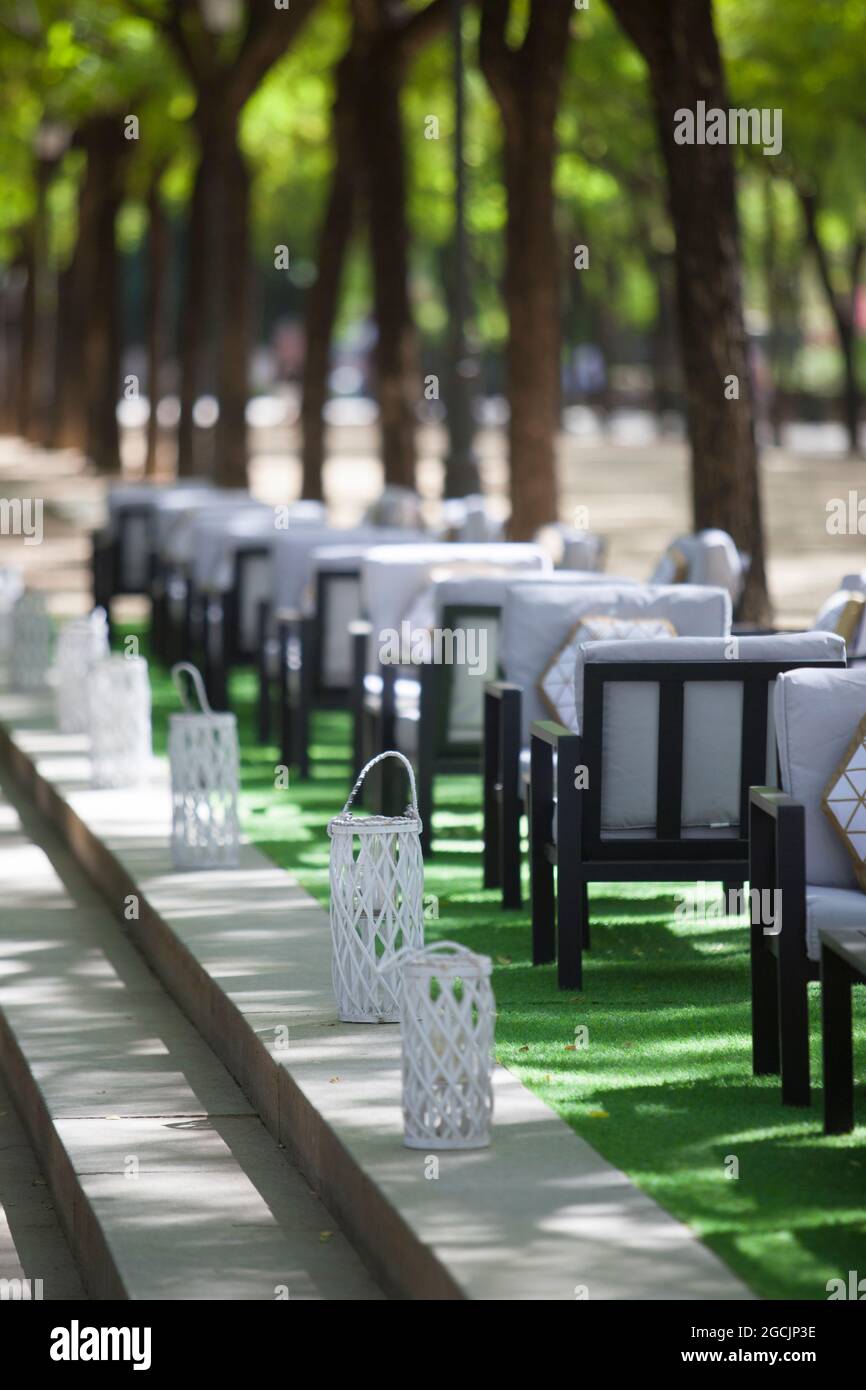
<point>663,1087</point>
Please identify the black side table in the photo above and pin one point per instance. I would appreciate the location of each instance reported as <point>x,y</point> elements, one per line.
<point>843,964</point>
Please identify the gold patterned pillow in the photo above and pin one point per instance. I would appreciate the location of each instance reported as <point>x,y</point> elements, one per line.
<point>844,801</point>
<point>556,686</point>
<point>849,620</point>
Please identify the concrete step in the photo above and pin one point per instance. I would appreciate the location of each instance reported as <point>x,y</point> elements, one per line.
<point>539,1215</point>
<point>35,1259</point>
<point>165,1180</point>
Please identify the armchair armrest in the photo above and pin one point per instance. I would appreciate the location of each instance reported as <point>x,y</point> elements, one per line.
<point>498,690</point>
<point>549,731</point>
<point>771,800</point>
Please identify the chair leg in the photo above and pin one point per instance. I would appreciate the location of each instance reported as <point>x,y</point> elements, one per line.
<point>794,1034</point>
<point>509,848</point>
<point>572,898</point>
<point>572,911</point>
<point>540,866</point>
<point>425,802</point>
<point>283,688</point>
<point>765,1006</point>
<point>490,759</point>
<point>425,757</point>
<point>837,1044</point>
<point>264,704</point>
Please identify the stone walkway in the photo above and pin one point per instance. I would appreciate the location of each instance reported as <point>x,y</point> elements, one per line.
<point>164,1177</point>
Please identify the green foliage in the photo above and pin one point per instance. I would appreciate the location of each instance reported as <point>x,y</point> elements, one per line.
<point>80,58</point>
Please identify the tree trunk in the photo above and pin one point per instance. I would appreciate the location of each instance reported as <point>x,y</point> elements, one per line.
<point>69,425</point>
<point>383,166</point>
<point>196,299</point>
<point>157,261</point>
<point>27,337</point>
<point>102,337</point>
<point>526,84</point>
<point>323,298</point>
<point>677,39</point>
<point>230,461</point>
<point>844,311</point>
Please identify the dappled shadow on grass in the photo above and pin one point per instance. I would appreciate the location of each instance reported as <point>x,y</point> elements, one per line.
<point>663,1086</point>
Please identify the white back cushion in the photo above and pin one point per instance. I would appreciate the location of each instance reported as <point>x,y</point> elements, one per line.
<point>712,724</point>
<point>711,557</point>
<point>537,618</point>
<point>556,686</point>
<point>835,616</point>
<point>392,576</point>
<point>817,713</point>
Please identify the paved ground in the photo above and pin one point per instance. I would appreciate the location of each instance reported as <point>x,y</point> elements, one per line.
<point>635,489</point>
<point>192,1195</point>
<point>32,1245</point>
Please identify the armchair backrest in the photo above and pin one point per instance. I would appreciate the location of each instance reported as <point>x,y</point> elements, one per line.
<point>675,730</point>
<point>393,577</point>
<point>709,557</point>
<point>294,550</point>
<point>817,713</point>
<point>844,612</point>
<point>538,618</point>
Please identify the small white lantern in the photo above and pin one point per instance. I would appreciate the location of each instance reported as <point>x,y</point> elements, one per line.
<point>31,642</point>
<point>448,1021</point>
<point>81,643</point>
<point>204,760</point>
<point>377,904</point>
<point>120,729</point>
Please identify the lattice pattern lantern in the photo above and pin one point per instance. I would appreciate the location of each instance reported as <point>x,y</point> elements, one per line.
<point>377,904</point>
<point>81,644</point>
<point>204,761</point>
<point>448,1022</point>
<point>31,642</point>
<point>120,728</point>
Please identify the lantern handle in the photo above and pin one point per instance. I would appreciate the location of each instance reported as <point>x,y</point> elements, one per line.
<point>412,953</point>
<point>198,683</point>
<point>413,805</point>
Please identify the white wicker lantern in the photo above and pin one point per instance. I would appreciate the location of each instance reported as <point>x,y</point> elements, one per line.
<point>448,1022</point>
<point>377,904</point>
<point>81,643</point>
<point>120,733</point>
<point>31,642</point>
<point>204,760</point>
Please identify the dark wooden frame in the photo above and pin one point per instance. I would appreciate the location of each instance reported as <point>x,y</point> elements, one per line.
<point>839,974</point>
<point>222,640</point>
<point>107,558</point>
<point>376,731</point>
<point>303,691</point>
<point>503,799</point>
<point>562,933</point>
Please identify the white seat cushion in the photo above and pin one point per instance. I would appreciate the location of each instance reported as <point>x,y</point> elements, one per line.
<point>817,713</point>
<point>838,909</point>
